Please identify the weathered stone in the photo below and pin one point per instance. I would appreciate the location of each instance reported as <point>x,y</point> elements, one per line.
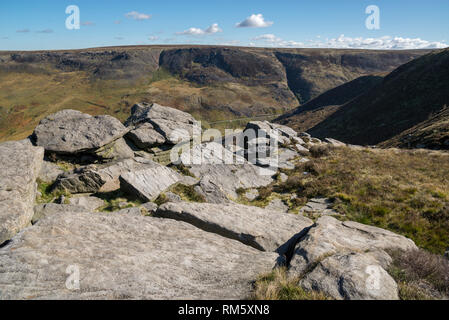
<point>318,207</point>
<point>146,137</point>
<point>352,276</point>
<point>174,125</point>
<point>277,205</point>
<point>20,164</point>
<point>147,184</point>
<point>70,131</point>
<point>44,210</point>
<point>127,257</point>
<point>117,150</point>
<point>88,202</point>
<point>266,230</point>
<point>50,171</point>
<point>221,173</point>
<point>251,194</point>
<point>101,178</point>
<point>172,197</point>
<point>330,236</point>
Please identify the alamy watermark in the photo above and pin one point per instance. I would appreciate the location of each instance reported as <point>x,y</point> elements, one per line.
<point>372,22</point>
<point>73,280</point>
<point>73,21</point>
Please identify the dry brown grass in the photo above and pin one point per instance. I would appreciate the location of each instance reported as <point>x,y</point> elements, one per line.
<point>277,285</point>
<point>403,191</point>
<point>420,274</point>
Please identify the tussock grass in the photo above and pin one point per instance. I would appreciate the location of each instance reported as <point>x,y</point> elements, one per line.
<point>406,192</point>
<point>277,285</point>
<point>420,274</point>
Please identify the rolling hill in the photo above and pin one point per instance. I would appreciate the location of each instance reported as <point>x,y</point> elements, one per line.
<point>212,83</point>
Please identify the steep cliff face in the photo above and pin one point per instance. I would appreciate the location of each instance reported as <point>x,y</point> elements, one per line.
<point>213,83</point>
<point>415,93</point>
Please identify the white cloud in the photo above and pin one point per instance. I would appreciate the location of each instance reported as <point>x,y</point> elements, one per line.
<point>200,32</point>
<point>254,21</point>
<point>273,41</point>
<point>138,16</point>
<point>386,42</point>
<point>153,38</point>
<point>344,42</point>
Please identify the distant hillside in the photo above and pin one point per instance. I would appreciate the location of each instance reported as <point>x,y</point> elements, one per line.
<point>318,109</point>
<point>412,94</point>
<point>212,83</point>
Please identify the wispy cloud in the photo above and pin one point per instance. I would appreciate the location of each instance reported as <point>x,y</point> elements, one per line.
<point>273,41</point>
<point>45,31</point>
<point>23,31</point>
<point>119,38</point>
<point>386,42</point>
<point>88,23</point>
<point>254,21</point>
<point>117,21</point>
<point>214,28</point>
<point>343,42</point>
<point>138,16</point>
<point>153,38</point>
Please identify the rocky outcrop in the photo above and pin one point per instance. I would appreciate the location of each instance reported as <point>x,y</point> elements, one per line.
<point>71,132</point>
<point>266,230</point>
<point>166,123</point>
<point>146,137</point>
<point>20,164</point>
<point>347,260</point>
<point>221,173</point>
<point>126,257</point>
<point>101,178</point>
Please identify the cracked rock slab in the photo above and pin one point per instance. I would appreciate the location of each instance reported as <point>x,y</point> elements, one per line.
<point>330,236</point>
<point>126,257</point>
<point>71,132</point>
<point>338,258</point>
<point>352,276</point>
<point>267,230</point>
<point>148,184</point>
<point>20,164</point>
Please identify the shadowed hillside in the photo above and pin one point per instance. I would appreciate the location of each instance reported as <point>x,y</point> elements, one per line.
<point>415,93</point>
<point>316,110</point>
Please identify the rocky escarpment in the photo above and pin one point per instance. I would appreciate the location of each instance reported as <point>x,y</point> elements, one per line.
<point>137,229</point>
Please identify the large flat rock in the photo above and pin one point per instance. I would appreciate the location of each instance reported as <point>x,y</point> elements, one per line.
<point>148,184</point>
<point>266,230</point>
<point>71,132</point>
<point>121,256</point>
<point>347,260</point>
<point>20,164</point>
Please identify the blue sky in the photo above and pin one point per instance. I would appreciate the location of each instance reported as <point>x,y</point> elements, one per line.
<point>34,25</point>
